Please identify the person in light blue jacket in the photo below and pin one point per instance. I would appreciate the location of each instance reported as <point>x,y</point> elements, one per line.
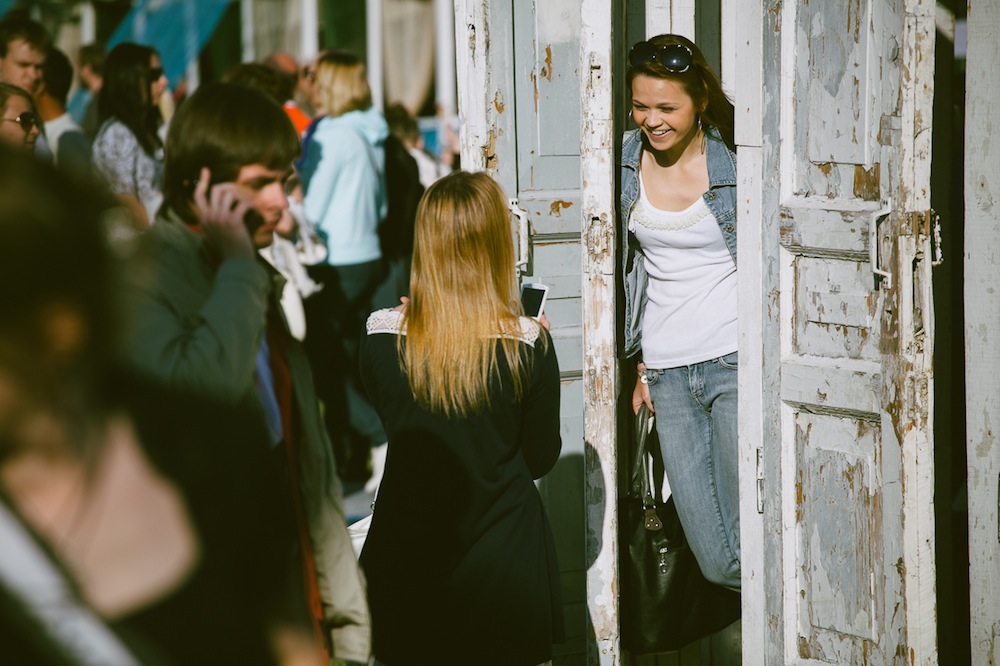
<point>343,180</point>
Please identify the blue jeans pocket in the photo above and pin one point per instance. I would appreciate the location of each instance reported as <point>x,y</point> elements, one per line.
<point>729,361</point>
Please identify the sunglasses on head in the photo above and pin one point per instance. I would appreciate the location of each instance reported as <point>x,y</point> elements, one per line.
<point>27,120</point>
<point>676,58</point>
<point>155,73</point>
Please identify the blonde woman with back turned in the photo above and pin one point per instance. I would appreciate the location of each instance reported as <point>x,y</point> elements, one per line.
<point>468,393</point>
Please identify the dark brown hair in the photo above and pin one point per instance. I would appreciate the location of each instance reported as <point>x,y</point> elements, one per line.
<point>125,94</point>
<point>223,126</point>
<point>700,83</point>
<point>20,27</point>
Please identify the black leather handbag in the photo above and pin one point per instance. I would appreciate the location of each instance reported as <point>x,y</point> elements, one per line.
<point>665,600</point>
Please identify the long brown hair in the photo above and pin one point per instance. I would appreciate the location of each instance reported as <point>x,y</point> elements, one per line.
<point>464,303</point>
<point>700,83</point>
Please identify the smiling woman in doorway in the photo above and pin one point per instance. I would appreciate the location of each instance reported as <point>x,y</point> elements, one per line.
<point>678,217</point>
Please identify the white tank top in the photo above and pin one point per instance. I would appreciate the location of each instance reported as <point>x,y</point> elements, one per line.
<point>690,313</point>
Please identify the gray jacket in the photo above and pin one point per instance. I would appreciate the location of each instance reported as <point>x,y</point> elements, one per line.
<point>720,198</point>
<point>197,327</point>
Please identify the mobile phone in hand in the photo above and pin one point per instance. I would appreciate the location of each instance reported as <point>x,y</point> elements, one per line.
<point>533,296</point>
<point>253,220</point>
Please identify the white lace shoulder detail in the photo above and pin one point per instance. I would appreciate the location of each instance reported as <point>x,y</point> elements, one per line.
<point>385,321</point>
<point>530,330</point>
<point>391,321</point>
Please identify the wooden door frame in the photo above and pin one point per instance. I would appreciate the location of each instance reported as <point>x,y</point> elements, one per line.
<point>982,337</point>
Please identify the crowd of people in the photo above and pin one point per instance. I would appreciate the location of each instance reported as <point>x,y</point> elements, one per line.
<point>234,309</point>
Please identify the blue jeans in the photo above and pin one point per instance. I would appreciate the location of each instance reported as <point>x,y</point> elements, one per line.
<point>696,423</point>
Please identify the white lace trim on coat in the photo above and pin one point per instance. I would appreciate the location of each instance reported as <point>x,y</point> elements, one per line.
<point>391,321</point>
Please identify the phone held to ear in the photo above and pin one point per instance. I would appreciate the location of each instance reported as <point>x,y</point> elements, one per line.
<point>252,218</point>
<point>533,296</point>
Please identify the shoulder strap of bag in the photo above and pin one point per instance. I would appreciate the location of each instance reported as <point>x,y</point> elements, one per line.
<point>640,485</point>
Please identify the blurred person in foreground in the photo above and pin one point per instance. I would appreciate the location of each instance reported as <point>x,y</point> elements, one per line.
<point>209,322</point>
<point>343,180</point>
<point>19,123</point>
<point>70,146</point>
<point>468,391</point>
<point>138,525</point>
<point>128,152</point>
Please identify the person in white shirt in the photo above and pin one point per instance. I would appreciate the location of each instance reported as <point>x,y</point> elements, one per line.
<point>70,146</point>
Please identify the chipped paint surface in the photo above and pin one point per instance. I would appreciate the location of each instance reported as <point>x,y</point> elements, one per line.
<point>558,206</point>
<point>849,475</point>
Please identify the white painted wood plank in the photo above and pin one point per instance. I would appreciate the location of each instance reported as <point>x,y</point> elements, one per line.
<point>600,376</point>
<point>747,77</point>
<point>375,43</point>
<point>682,17</point>
<point>982,324</point>
<point>444,57</point>
<point>471,52</point>
<point>670,16</point>
<point>658,20</point>
<point>752,391</point>
<point>916,334</point>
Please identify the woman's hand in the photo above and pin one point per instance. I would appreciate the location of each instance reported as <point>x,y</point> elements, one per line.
<point>641,394</point>
<point>544,321</point>
<point>221,210</point>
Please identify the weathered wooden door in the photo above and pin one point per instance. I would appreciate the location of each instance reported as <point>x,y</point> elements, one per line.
<point>833,124</point>
<point>519,99</point>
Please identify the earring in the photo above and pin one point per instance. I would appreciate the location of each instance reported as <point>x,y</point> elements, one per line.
<point>703,138</point>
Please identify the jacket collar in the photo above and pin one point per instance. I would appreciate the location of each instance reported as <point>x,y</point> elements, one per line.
<point>721,161</point>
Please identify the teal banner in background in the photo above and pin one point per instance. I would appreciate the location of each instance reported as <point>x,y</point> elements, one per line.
<point>177,29</point>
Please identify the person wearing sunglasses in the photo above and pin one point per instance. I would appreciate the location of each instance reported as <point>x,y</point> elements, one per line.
<point>128,151</point>
<point>19,126</point>
<point>678,235</point>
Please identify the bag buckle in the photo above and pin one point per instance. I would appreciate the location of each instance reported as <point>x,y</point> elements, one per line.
<point>651,521</point>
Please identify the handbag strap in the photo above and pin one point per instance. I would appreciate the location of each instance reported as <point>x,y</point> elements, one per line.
<point>640,486</point>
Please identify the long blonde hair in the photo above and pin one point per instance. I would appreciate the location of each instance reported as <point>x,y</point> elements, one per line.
<point>341,83</point>
<point>464,302</point>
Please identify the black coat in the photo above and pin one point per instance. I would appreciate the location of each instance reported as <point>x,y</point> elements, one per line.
<point>460,559</point>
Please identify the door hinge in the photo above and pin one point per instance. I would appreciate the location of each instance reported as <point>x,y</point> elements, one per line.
<point>760,481</point>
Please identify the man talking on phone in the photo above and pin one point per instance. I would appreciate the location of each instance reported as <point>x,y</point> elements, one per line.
<point>207,320</point>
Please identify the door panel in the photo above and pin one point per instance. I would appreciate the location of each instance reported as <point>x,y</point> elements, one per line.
<point>840,338</point>
<point>544,168</point>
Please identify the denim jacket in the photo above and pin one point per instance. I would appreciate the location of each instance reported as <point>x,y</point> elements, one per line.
<point>720,198</point>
